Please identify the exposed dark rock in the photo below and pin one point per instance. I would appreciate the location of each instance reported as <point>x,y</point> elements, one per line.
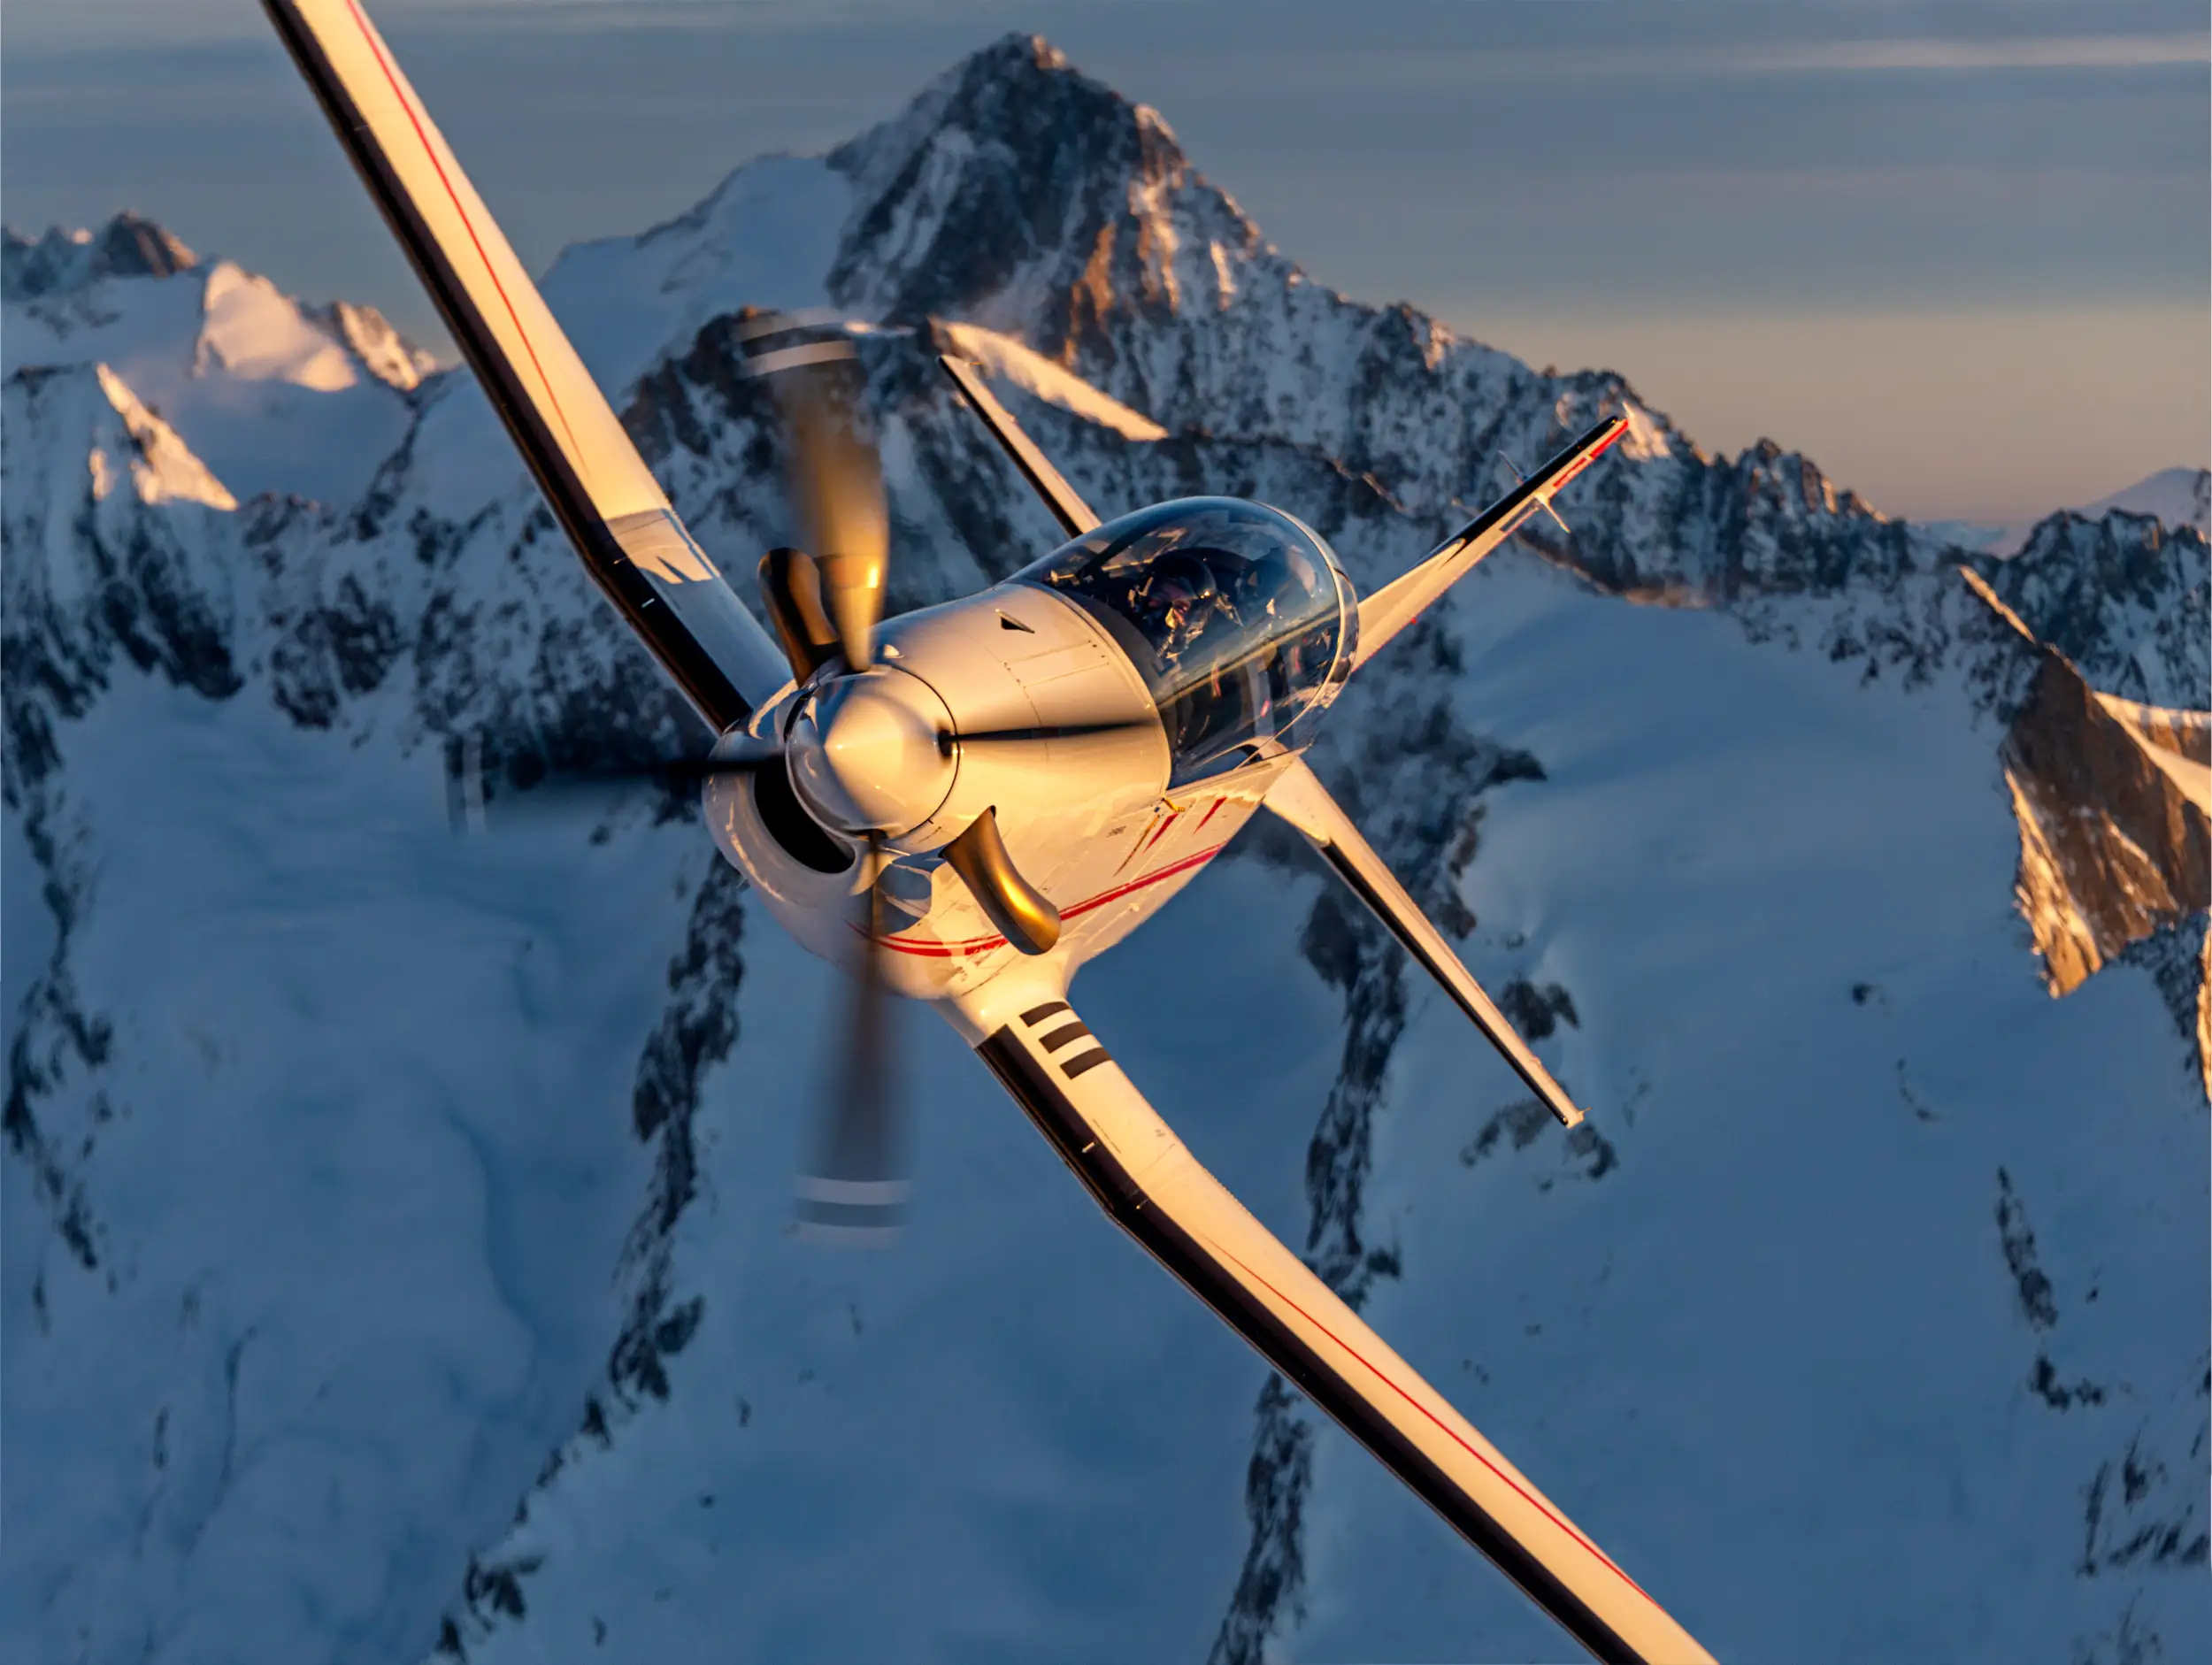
<point>2128,601</point>
<point>2139,1514</point>
<point>1522,1122</point>
<point>2111,847</point>
<point>128,246</point>
<point>1536,1012</point>
<point>1585,1152</point>
<point>2044,1383</point>
<point>2178,956</point>
<point>1268,1590</point>
<point>2037,1303</point>
<point>695,1032</point>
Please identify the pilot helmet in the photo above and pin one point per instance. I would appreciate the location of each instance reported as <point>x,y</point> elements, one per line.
<point>1176,587</point>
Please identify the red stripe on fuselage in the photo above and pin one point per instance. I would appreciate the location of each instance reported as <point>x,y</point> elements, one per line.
<point>391,76</point>
<point>984,945</point>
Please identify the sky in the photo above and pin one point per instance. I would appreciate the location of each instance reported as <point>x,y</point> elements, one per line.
<point>1956,252</point>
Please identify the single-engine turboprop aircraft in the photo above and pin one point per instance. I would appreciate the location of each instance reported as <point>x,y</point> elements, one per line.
<point>965,804</point>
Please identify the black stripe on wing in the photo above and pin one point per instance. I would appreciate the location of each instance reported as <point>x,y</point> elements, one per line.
<point>703,681</point>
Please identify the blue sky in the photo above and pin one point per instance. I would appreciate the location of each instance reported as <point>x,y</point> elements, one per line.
<point>1957,252</point>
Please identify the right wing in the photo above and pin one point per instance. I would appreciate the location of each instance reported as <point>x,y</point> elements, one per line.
<point>1300,798</point>
<point>598,487</point>
<point>1397,605</point>
<point>1152,1187</point>
<point>1073,514</point>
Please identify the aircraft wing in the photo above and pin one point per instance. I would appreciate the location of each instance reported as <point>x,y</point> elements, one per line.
<point>1074,515</point>
<point>1151,1186</point>
<point>597,485</point>
<point>1299,798</point>
<point>1398,604</point>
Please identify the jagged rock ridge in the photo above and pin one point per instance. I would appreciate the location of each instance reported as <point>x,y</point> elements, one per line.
<point>128,246</point>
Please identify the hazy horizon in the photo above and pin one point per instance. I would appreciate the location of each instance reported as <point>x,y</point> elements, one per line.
<point>1956,253</point>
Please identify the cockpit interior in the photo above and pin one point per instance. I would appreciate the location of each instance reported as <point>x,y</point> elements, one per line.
<point>1236,614</point>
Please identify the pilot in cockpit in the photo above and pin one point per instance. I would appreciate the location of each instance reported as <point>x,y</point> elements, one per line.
<point>1228,609</point>
<point>1173,603</point>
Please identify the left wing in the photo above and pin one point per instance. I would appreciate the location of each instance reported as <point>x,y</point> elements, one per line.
<point>598,487</point>
<point>1398,604</point>
<point>1152,1187</point>
<point>1299,798</point>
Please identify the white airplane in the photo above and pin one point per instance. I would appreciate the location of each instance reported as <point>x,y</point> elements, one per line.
<point>967,804</point>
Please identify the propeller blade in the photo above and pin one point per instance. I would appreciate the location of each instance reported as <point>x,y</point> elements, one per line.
<point>473,790</point>
<point>1022,916</point>
<point>836,476</point>
<point>791,585</point>
<point>855,1193</point>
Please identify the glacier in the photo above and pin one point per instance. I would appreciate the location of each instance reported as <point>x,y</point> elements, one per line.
<point>393,1262</point>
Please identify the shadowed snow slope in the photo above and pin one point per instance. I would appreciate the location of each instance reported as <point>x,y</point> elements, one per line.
<point>395,1229</point>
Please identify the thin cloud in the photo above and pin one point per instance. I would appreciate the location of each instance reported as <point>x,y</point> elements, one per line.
<point>1460,65</point>
<point>2058,51</point>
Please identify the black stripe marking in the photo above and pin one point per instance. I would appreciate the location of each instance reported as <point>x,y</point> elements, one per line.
<point>703,682</point>
<point>1090,1060</point>
<point>1056,1117</point>
<point>1061,1036</point>
<point>1036,1014</point>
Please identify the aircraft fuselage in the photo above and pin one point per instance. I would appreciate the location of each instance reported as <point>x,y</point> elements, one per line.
<point>1200,637</point>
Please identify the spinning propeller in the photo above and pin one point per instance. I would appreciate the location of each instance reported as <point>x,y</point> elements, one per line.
<point>867,754</point>
<point>870,750</point>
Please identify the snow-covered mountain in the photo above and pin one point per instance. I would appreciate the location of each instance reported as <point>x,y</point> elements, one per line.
<point>349,1316</point>
<point>273,396</point>
<point>2179,497</point>
<point>2175,496</point>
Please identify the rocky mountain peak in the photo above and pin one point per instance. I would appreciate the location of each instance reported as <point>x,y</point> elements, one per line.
<point>381,349</point>
<point>127,448</point>
<point>138,447</point>
<point>1016,182</point>
<point>2125,598</point>
<point>128,246</point>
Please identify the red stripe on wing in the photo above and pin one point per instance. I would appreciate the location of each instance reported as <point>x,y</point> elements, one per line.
<point>391,76</point>
<point>1534,1502</point>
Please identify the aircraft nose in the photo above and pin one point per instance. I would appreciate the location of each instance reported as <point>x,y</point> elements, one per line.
<point>865,754</point>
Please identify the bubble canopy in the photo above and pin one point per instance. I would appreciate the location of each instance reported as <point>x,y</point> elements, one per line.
<point>1236,615</point>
